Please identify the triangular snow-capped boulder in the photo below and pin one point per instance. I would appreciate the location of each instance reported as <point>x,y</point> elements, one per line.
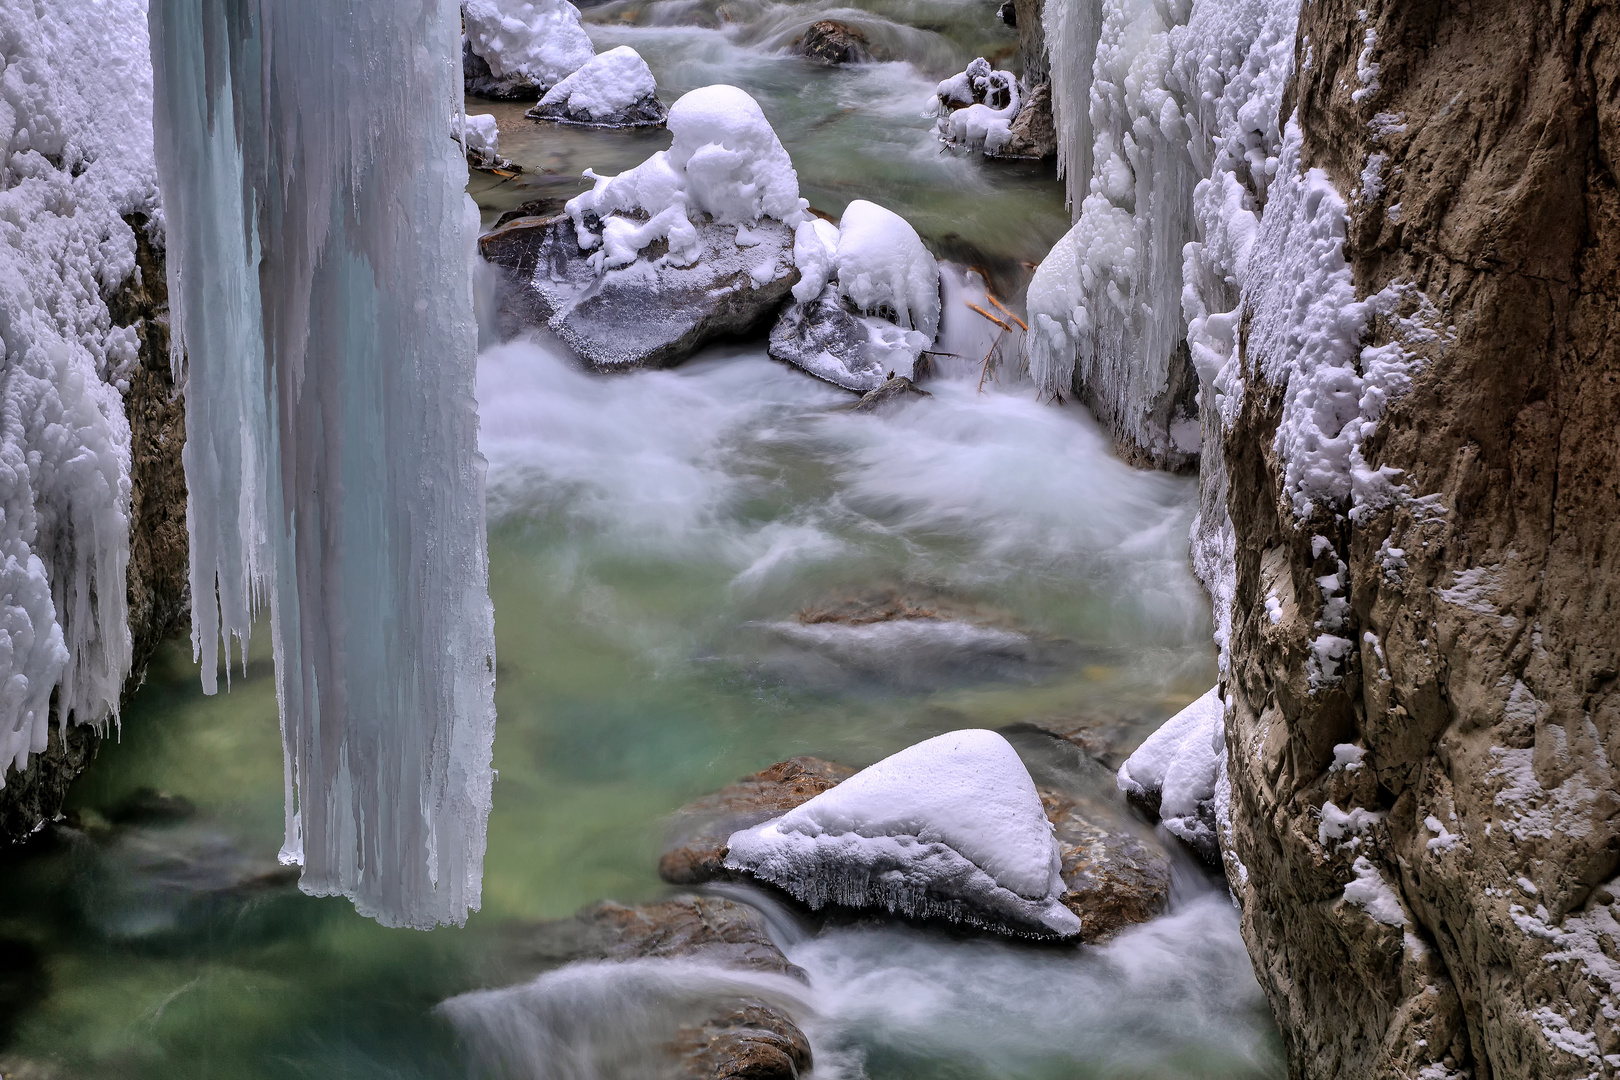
<point>949,828</point>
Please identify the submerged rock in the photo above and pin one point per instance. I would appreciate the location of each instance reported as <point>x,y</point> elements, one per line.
<point>893,392</point>
<point>833,44</point>
<point>615,89</point>
<point>650,313</point>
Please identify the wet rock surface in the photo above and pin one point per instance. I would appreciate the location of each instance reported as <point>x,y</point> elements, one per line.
<point>1112,878</point>
<point>745,1038</point>
<point>833,44</point>
<point>841,346</point>
<point>891,394</point>
<point>643,315</point>
<point>648,112</point>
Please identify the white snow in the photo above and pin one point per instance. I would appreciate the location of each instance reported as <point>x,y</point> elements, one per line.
<point>1373,893</point>
<point>1345,826</point>
<point>725,161</point>
<point>75,117</point>
<point>953,816</point>
<point>967,116</point>
<point>481,137</point>
<point>1179,762</point>
<point>1347,757</point>
<point>606,85</point>
<point>320,280</point>
<point>883,268</point>
<point>539,42</point>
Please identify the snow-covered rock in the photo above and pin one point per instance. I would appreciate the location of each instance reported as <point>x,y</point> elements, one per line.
<point>951,827</point>
<point>615,89</point>
<point>867,302</point>
<point>519,48</point>
<point>694,243</point>
<point>1173,773</point>
<point>481,138</point>
<point>978,107</point>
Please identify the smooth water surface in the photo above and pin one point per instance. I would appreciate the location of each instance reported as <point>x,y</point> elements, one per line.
<point>653,539</point>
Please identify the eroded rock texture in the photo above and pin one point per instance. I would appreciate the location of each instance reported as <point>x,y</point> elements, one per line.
<point>1484,606</point>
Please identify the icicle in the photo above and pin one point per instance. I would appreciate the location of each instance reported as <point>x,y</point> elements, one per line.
<point>1071,28</point>
<point>319,262</point>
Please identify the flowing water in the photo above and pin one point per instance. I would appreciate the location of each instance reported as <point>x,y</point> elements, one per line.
<point>652,538</point>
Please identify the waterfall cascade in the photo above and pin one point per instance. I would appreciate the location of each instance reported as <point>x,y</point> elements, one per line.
<point>319,260</point>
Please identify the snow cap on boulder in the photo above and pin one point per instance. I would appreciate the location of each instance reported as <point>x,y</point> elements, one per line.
<point>725,161</point>
<point>605,91</point>
<point>951,827</point>
<point>1175,769</point>
<point>530,41</point>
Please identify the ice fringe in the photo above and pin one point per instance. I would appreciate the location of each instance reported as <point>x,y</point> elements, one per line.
<point>75,157</point>
<point>319,274</point>
<point>951,827</point>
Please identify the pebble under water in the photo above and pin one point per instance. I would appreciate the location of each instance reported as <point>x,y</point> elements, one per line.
<point>653,538</point>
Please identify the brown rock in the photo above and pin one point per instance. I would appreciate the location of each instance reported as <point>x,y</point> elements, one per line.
<point>701,829</point>
<point>897,390</point>
<point>833,44</point>
<point>751,1042</point>
<point>1114,879</point>
<point>1034,135</point>
<point>1490,713</point>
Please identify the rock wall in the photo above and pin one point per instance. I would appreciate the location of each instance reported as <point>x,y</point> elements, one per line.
<point>1464,923</point>
<point>159,598</point>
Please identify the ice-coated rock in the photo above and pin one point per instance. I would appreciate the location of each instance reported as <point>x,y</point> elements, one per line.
<point>1173,773</point>
<point>867,302</point>
<point>651,312</point>
<point>978,106</point>
<point>615,89</point>
<point>950,828</point>
<point>518,49</point>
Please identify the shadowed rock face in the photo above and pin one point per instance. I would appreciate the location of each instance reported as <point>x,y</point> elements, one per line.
<point>640,316</point>
<point>157,579</point>
<point>1112,879</point>
<point>1484,681</point>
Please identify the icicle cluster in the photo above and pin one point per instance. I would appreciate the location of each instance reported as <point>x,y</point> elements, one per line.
<point>319,262</point>
<point>75,157</point>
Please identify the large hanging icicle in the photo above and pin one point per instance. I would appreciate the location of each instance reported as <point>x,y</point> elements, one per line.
<point>319,263</point>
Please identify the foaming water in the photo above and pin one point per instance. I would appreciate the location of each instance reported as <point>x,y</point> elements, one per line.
<point>605,1020</point>
<point>1173,998</point>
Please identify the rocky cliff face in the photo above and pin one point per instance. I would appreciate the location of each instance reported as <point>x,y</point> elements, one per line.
<point>1426,835</point>
<point>159,599</point>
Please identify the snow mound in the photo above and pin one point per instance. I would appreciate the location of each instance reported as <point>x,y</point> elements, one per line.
<point>606,91</point>
<point>883,268</point>
<point>725,161</point>
<point>526,45</point>
<point>978,107</point>
<point>1176,767</point>
<point>950,827</point>
<point>481,138</point>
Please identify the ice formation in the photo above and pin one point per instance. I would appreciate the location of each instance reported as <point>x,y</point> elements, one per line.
<point>319,274</point>
<point>526,44</point>
<point>949,827</point>
<point>978,107</point>
<point>725,161</point>
<point>605,88</point>
<point>1177,767</point>
<point>75,111</point>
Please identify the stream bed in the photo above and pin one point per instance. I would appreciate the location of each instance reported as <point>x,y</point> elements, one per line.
<point>653,541</point>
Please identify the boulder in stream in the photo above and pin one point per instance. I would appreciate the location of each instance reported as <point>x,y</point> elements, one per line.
<point>649,313</point>
<point>1172,774</point>
<point>518,49</point>
<point>833,44</point>
<point>615,89</point>
<point>895,391</point>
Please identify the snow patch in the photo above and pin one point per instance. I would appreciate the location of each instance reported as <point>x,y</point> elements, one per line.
<point>1371,892</point>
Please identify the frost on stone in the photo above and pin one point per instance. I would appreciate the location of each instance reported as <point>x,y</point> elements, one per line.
<point>527,45</point>
<point>75,157</point>
<point>951,827</point>
<point>1176,768</point>
<point>1372,892</point>
<point>613,89</point>
<point>725,162</point>
<point>320,281</point>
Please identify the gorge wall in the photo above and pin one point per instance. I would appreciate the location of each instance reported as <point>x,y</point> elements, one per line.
<point>1423,706</point>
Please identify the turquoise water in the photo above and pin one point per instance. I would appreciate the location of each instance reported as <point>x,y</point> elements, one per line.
<point>650,538</point>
